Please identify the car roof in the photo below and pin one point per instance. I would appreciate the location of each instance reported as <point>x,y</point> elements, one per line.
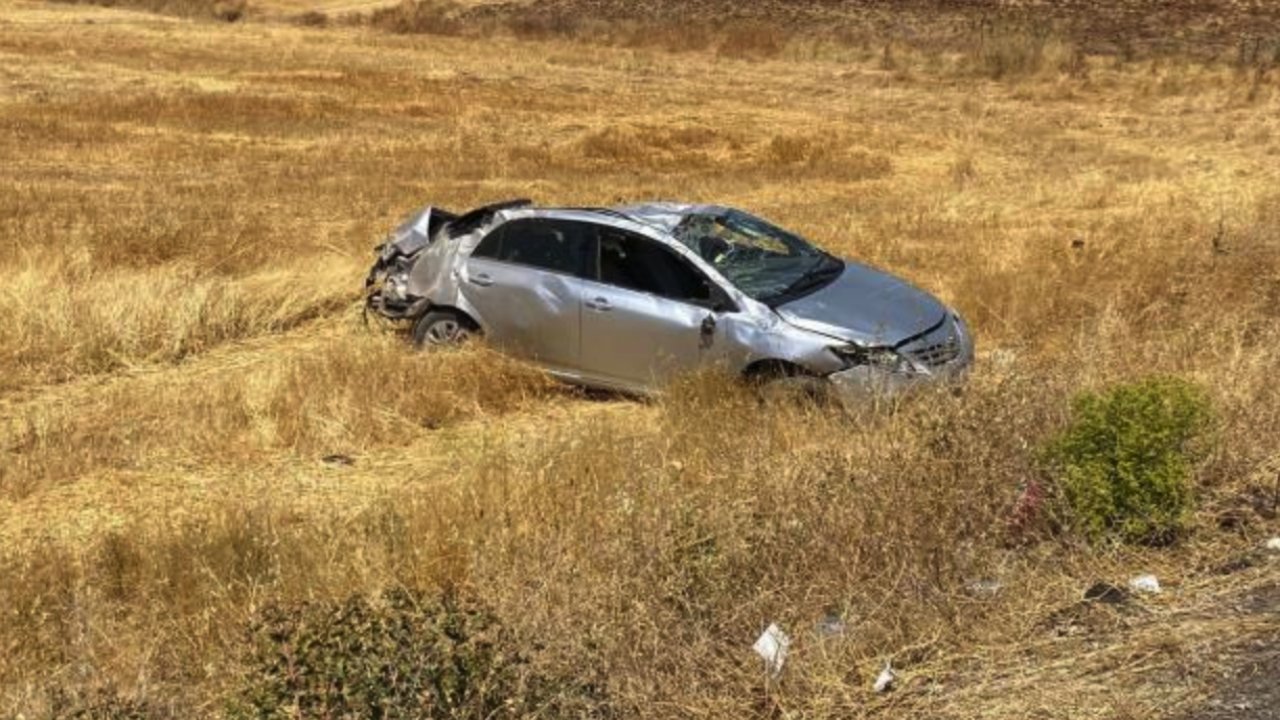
<point>667,215</point>
<point>663,216</point>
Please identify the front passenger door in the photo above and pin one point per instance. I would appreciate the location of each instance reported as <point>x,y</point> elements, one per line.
<point>643,313</point>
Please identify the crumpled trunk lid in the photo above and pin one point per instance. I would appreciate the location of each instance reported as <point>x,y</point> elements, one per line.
<point>385,286</point>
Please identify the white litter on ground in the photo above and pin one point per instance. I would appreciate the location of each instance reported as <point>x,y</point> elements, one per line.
<point>1273,544</point>
<point>884,681</point>
<point>985,587</point>
<point>1145,584</point>
<point>772,645</point>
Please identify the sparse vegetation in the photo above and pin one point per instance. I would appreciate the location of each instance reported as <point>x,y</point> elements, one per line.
<point>224,10</point>
<point>437,17</point>
<point>311,18</point>
<point>195,425</point>
<point>101,704</point>
<point>398,655</point>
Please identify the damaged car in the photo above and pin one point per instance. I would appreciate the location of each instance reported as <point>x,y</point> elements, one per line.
<point>623,298</point>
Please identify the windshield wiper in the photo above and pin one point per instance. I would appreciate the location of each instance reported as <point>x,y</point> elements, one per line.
<point>826,269</point>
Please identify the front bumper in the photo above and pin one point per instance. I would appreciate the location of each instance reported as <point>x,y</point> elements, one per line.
<point>944,356</point>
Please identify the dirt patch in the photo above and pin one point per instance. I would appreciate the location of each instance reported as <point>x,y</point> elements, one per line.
<point>1250,689</point>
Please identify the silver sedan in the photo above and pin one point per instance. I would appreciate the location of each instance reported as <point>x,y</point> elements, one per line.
<point>623,298</point>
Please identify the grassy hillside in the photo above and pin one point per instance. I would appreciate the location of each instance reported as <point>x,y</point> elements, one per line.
<point>197,430</point>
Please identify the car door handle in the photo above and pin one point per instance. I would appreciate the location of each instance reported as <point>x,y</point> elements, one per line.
<point>481,279</point>
<point>601,304</point>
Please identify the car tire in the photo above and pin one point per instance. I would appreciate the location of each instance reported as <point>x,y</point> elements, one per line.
<point>779,381</point>
<point>443,328</point>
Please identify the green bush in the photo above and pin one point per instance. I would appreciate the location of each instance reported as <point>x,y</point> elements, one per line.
<point>1124,464</point>
<point>401,655</point>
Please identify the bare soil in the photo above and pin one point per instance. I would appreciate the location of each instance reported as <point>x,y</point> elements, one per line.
<point>1250,688</point>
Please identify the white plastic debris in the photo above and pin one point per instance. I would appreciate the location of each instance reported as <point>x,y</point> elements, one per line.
<point>1002,358</point>
<point>884,681</point>
<point>1145,584</point>
<point>985,588</point>
<point>1273,544</point>
<point>772,645</point>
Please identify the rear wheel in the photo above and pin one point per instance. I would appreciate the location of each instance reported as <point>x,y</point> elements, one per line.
<point>443,328</point>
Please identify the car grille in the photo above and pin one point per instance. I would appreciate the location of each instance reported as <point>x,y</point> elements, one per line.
<point>938,353</point>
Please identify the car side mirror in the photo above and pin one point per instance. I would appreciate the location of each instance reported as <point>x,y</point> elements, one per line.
<point>720,301</point>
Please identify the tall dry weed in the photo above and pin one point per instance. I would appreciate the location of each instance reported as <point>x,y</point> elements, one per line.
<point>70,319</point>
<point>341,396</point>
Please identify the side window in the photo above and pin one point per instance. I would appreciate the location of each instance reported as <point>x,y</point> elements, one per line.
<point>491,245</point>
<point>637,263</point>
<point>555,245</point>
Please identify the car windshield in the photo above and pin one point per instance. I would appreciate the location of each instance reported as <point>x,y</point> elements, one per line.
<point>766,262</point>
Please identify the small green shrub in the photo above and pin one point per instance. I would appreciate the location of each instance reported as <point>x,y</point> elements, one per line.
<point>1124,464</point>
<point>400,655</point>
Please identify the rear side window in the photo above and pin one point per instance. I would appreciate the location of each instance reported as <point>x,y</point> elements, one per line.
<point>491,245</point>
<point>637,263</point>
<point>556,245</point>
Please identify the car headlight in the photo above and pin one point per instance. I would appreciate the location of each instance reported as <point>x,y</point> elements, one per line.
<point>881,358</point>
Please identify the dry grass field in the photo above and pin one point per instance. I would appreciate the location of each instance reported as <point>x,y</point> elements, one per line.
<point>197,427</point>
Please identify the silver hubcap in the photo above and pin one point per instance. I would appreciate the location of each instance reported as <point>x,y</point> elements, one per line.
<point>446,332</point>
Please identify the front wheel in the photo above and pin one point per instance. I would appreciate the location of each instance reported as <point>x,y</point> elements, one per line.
<point>442,328</point>
<point>784,381</point>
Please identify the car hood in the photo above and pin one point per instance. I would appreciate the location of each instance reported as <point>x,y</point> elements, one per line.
<point>865,306</point>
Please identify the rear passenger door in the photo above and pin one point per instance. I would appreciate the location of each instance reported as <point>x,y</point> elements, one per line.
<point>643,311</point>
<point>524,281</point>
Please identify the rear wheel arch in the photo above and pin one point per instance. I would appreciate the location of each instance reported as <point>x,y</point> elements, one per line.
<point>459,311</point>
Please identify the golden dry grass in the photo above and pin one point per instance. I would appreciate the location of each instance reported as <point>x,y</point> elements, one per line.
<point>186,211</point>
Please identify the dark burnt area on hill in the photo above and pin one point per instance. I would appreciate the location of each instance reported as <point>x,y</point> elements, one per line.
<point>1227,30</point>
